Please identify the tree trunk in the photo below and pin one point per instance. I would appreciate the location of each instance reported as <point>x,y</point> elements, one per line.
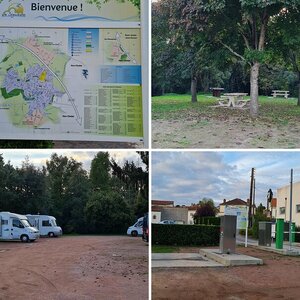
<point>298,103</point>
<point>194,89</point>
<point>254,89</point>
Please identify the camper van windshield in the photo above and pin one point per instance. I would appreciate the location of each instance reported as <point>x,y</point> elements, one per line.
<point>25,223</point>
<point>53,222</point>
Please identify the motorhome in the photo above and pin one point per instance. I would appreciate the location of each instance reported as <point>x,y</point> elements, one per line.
<point>45,224</point>
<point>136,229</point>
<point>16,227</point>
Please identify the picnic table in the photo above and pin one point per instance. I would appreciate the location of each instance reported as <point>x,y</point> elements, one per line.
<point>233,100</point>
<point>276,93</point>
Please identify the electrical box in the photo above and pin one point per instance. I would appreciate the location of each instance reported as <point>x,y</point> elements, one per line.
<point>228,234</point>
<point>265,234</point>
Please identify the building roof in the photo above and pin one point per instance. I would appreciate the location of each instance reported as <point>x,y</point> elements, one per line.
<point>235,201</point>
<point>274,202</point>
<point>156,208</point>
<point>193,207</point>
<point>162,202</point>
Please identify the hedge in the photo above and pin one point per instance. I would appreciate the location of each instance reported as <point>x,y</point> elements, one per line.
<point>185,235</point>
<point>208,221</point>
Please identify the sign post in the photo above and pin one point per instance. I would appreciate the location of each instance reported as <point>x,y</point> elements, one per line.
<point>241,212</point>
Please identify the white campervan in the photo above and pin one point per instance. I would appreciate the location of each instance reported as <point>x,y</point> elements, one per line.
<point>45,224</point>
<point>136,229</point>
<point>15,227</point>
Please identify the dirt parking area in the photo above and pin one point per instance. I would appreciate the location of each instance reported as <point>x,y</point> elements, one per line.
<point>278,278</point>
<point>81,267</point>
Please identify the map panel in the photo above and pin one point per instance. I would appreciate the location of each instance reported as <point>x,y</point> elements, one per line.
<point>47,76</point>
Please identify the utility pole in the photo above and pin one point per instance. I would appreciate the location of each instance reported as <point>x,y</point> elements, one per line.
<point>251,199</point>
<point>291,209</point>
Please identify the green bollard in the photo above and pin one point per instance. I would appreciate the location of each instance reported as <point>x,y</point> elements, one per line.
<point>279,233</point>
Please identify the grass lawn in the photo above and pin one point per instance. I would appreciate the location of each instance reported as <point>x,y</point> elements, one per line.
<point>172,105</point>
<point>164,249</point>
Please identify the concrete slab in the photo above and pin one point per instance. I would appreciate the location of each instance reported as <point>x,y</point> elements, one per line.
<point>185,260</point>
<point>230,259</point>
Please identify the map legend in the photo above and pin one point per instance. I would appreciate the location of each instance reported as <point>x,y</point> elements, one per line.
<point>83,41</point>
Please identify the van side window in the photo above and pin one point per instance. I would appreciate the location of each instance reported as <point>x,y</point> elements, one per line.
<point>4,222</point>
<point>46,223</point>
<point>17,223</point>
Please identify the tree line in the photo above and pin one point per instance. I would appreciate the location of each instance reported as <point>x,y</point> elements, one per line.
<point>106,199</point>
<point>243,45</point>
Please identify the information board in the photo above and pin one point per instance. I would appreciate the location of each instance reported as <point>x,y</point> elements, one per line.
<point>241,213</point>
<point>73,70</point>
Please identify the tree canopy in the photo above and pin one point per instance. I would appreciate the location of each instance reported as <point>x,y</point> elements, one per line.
<point>218,35</point>
<point>99,200</point>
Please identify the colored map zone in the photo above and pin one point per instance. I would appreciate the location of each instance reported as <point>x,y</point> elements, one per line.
<point>121,74</point>
<point>36,89</point>
<point>30,79</point>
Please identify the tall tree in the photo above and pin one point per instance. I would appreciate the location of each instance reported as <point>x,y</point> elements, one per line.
<point>285,41</point>
<point>100,170</point>
<point>243,30</point>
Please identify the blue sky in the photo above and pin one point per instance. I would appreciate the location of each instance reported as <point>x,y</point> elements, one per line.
<point>187,177</point>
<point>39,157</point>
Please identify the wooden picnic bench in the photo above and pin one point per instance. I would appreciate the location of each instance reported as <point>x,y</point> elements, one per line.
<point>233,100</point>
<point>276,93</point>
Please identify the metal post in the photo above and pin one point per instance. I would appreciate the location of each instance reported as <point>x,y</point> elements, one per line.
<point>250,200</point>
<point>291,210</point>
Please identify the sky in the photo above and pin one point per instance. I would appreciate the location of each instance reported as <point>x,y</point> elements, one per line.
<point>187,177</point>
<point>38,157</point>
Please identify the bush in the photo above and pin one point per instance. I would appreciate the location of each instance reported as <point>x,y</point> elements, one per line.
<point>185,235</point>
<point>207,221</point>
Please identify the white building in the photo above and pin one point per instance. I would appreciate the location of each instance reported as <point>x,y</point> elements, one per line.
<point>283,203</point>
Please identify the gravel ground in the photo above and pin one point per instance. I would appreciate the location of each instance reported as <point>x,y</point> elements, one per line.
<point>81,267</point>
<point>278,278</point>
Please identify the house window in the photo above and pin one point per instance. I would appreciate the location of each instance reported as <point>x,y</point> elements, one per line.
<point>154,217</point>
<point>282,210</point>
<point>298,208</point>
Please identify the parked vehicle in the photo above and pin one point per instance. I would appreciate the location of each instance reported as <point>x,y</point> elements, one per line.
<point>136,229</point>
<point>16,227</point>
<point>167,222</point>
<point>45,224</point>
<point>145,235</point>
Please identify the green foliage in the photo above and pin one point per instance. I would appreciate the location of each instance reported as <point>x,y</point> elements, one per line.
<point>207,221</point>
<point>25,144</point>
<point>108,212</point>
<point>206,208</point>
<point>80,203</point>
<point>100,168</point>
<point>98,3</point>
<point>185,235</point>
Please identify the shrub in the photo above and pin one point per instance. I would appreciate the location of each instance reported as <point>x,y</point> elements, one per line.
<point>207,221</point>
<point>185,235</point>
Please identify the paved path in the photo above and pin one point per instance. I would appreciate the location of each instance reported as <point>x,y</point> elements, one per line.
<point>175,260</point>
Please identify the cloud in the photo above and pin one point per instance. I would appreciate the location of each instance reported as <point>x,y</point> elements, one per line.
<point>187,177</point>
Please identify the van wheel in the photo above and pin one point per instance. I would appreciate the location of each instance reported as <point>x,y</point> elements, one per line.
<point>134,233</point>
<point>51,234</point>
<point>24,238</point>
